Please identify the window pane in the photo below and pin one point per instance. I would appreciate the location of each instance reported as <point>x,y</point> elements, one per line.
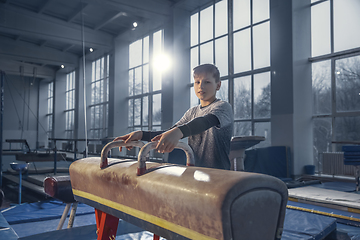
<point>320,29</point>
<point>321,87</point>
<point>92,117</point>
<point>221,18</point>
<point>242,51</point>
<point>93,92</point>
<point>206,53</point>
<point>347,128</point>
<point>156,80</point>
<point>101,93</point>
<point>93,70</point>
<point>156,109</point>
<point>135,50</point>
<point>263,129</point>
<point>50,123</point>
<point>347,75</point>
<point>145,111</point>
<point>194,100</point>
<point>97,117</point>
<point>107,90</point>
<point>97,92</point>
<point>346,24</point>
<point>102,69</point>
<point>194,57</point>
<point>157,43</point>
<point>157,50</point>
<point>131,82</point>
<point>262,95</point>
<point>223,93</point>
<point>146,50</point>
<point>194,29</point>
<point>242,129</point>
<point>260,10</point>
<point>221,55</point>
<point>97,69</point>
<point>241,14</point>
<point>322,136</point>
<point>138,82</point>
<point>131,115</point>
<point>206,24</point>
<point>107,65</point>
<point>101,116</point>
<point>137,111</point>
<point>242,97</point>
<point>146,78</point>
<point>106,118</point>
<point>261,45</point>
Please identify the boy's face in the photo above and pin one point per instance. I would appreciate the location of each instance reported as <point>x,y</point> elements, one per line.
<point>205,88</point>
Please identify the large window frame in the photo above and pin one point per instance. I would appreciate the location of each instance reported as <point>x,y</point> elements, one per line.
<point>231,72</point>
<point>99,107</point>
<point>145,89</point>
<point>50,109</point>
<point>327,72</point>
<point>70,105</point>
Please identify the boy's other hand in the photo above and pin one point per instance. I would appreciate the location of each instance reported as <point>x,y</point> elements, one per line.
<point>168,140</point>
<point>133,136</point>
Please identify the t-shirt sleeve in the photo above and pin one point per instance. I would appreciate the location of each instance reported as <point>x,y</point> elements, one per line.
<point>198,125</point>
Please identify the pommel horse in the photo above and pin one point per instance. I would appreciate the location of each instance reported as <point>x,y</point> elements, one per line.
<point>179,202</point>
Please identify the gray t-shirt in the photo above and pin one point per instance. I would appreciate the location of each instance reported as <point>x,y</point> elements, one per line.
<point>211,147</point>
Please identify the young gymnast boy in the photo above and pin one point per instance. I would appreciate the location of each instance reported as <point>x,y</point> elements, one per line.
<point>208,126</point>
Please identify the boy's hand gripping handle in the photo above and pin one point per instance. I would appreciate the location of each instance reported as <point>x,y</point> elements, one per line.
<point>144,151</point>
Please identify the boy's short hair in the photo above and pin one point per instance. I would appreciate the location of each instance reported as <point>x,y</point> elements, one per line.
<point>207,68</point>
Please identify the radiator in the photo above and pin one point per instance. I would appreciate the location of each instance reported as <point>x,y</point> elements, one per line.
<point>333,164</point>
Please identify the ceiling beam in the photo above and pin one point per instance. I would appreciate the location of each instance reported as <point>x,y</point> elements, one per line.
<point>145,9</point>
<point>28,52</point>
<point>78,10</point>
<point>68,48</point>
<point>24,23</point>
<point>11,67</point>
<point>109,20</point>
<point>43,6</point>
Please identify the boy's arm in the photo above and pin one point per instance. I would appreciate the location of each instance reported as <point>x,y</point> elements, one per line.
<point>199,125</point>
<point>169,139</point>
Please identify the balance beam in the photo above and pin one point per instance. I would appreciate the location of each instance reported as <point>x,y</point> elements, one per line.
<point>180,202</point>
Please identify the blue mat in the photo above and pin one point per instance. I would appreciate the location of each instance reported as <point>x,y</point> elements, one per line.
<point>6,232</point>
<point>303,225</point>
<point>39,221</point>
<point>41,211</point>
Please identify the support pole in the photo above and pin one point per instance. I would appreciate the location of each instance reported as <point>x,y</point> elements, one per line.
<point>64,215</point>
<point>106,225</point>
<point>72,215</point>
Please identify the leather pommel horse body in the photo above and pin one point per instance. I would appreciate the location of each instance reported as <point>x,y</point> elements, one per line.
<point>179,202</point>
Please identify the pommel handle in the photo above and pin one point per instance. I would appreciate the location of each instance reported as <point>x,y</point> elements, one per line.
<point>110,145</point>
<point>144,151</point>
